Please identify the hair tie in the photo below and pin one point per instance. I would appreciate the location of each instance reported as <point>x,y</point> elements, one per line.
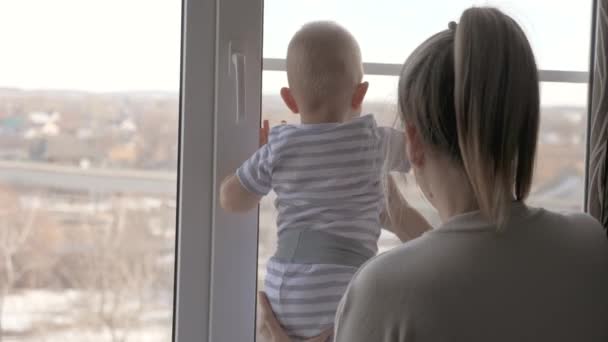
<point>452,26</point>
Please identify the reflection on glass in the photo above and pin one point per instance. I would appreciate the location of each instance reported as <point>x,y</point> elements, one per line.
<point>88,158</point>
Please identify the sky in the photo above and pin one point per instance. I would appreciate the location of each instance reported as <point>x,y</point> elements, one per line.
<point>134,45</point>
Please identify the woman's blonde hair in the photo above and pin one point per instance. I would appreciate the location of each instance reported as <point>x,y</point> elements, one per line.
<point>472,92</point>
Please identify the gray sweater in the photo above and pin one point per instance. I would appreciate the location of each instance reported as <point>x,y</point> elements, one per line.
<point>545,278</point>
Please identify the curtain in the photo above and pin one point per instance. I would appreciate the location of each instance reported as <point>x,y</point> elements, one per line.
<point>597,172</point>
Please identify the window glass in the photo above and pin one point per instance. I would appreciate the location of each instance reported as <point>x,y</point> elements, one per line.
<point>389,30</point>
<point>88,158</point>
<point>560,163</point>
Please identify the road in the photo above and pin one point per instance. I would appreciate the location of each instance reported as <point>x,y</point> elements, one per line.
<point>87,180</point>
<point>564,193</point>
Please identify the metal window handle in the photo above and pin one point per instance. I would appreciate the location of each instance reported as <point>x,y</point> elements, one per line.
<point>238,63</point>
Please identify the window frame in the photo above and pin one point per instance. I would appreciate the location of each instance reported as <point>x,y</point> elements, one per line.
<point>590,97</point>
<point>195,174</point>
<point>215,276</point>
<point>216,252</point>
<point>391,69</point>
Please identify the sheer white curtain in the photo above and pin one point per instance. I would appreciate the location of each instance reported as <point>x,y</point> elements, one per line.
<point>597,200</point>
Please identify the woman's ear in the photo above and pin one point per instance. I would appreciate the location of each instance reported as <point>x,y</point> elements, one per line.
<point>414,146</point>
<point>290,102</point>
<point>359,95</point>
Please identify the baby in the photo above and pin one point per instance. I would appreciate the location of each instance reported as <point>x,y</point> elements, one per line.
<point>326,173</point>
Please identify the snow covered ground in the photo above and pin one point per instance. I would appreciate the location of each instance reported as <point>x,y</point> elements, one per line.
<point>40,316</point>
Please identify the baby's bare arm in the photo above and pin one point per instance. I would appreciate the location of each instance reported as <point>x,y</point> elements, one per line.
<point>235,198</point>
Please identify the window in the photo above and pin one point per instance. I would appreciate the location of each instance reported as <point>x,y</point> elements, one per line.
<point>90,142</point>
<point>388,31</point>
<point>88,169</point>
<point>550,26</point>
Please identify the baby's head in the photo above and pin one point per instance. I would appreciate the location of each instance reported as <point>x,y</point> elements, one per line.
<point>324,72</point>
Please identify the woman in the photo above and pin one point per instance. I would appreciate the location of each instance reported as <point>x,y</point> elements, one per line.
<point>496,269</point>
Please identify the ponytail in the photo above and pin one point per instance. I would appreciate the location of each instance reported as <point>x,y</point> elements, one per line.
<point>496,98</point>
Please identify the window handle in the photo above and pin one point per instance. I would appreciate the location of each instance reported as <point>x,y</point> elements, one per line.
<point>238,66</point>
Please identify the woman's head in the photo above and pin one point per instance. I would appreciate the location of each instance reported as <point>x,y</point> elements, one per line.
<point>470,94</point>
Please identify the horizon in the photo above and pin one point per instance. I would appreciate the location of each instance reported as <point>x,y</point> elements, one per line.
<point>263,95</point>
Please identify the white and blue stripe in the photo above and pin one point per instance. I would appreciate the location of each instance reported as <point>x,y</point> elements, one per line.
<point>327,177</point>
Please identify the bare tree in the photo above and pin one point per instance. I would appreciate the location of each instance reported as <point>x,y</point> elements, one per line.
<point>118,271</point>
<point>17,255</point>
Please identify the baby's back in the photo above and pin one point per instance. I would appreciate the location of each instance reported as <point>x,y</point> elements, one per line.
<point>328,177</point>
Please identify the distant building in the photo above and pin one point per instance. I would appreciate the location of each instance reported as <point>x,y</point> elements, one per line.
<point>43,124</point>
<point>123,154</point>
<point>84,133</point>
<point>12,147</point>
<point>128,125</point>
<point>50,129</point>
<point>12,124</point>
<point>565,190</point>
<point>43,118</point>
<point>69,149</point>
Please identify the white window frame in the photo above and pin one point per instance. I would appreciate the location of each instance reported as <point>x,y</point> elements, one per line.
<point>389,69</point>
<point>216,253</point>
<point>195,176</point>
<point>216,264</point>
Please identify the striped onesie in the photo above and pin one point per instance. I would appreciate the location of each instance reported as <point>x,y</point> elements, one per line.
<point>327,180</point>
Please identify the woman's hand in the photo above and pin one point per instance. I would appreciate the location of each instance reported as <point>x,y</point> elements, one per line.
<point>271,330</point>
<point>399,217</point>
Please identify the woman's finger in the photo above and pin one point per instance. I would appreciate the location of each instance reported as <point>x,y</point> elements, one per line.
<point>266,311</point>
<point>324,337</point>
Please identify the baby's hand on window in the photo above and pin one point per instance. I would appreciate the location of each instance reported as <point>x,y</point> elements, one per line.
<point>264,130</point>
